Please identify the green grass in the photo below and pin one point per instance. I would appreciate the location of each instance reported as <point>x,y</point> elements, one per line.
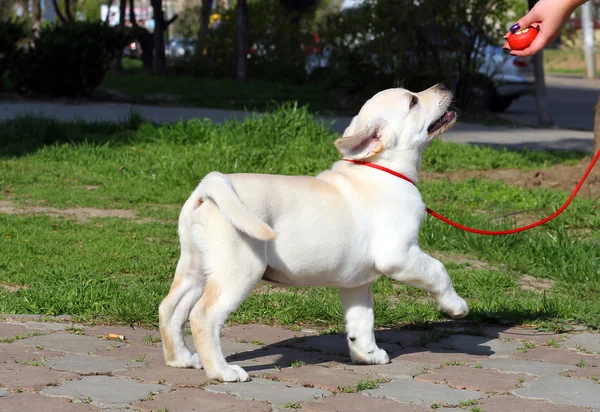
<point>119,270</point>
<point>566,61</point>
<point>181,90</point>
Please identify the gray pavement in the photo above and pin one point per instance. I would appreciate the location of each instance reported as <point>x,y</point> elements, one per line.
<point>47,368</point>
<point>571,99</point>
<point>510,137</point>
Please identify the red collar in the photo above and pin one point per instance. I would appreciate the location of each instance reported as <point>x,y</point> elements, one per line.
<point>382,168</point>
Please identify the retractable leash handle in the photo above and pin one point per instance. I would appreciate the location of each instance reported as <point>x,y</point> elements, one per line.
<point>491,232</point>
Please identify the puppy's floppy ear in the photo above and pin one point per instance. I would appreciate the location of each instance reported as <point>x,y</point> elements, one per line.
<point>351,127</point>
<point>362,144</point>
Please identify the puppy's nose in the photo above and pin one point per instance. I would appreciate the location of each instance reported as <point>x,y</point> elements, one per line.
<point>441,87</point>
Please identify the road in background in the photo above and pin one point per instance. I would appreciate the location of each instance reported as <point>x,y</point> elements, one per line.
<point>572,102</point>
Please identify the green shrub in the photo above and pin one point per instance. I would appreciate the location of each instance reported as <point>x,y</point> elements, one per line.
<point>416,44</point>
<point>11,32</point>
<point>274,53</point>
<point>67,59</point>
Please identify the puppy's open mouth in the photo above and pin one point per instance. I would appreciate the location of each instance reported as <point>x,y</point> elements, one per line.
<point>447,119</point>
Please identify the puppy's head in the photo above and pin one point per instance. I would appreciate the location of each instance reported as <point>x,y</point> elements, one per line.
<point>397,119</point>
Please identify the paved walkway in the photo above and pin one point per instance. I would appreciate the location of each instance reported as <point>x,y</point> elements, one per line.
<point>543,139</point>
<point>47,365</point>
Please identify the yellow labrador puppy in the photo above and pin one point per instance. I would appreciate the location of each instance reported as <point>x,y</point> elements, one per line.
<point>344,228</point>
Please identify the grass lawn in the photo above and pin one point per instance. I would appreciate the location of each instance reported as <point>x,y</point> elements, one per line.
<point>119,268</point>
<point>567,61</point>
<point>213,93</point>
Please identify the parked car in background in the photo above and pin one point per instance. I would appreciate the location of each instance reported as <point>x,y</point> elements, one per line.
<point>133,50</point>
<point>179,47</point>
<point>503,78</point>
<point>511,77</point>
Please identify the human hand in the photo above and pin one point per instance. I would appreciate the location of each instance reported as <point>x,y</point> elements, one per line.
<point>548,16</point>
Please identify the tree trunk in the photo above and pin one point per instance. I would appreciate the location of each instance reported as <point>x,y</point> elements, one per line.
<point>241,70</point>
<point>160,60</point>
<point>118,63</point>
<point>544,117</point>
<point>6,8</point>
<point>203,31</point>
<point>597,128</point>
<point>144,38</point>
<point>37,14</point>
<point>58,12</point>
<point>69,10</point>
<point>74,9</point>
<point>587,27</point>
<point>23,5</point>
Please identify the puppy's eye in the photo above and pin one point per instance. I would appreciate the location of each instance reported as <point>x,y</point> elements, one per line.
<point>413,101</point>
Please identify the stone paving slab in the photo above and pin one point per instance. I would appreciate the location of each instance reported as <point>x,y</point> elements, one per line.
<point>395,369</point>
<point>16,376</point>
<point>592,373</point>
<point>522,334</point>
<point>584,341</point>
<point>188,400</point>
<point>402,338</point>
<point>331,379</point>
<point>141,354</point>
<point>166,375</point>
<point>524,366</point>
<point>229,347</point>
<point>557,356</point>
<point>11,330</point>
<point>412,391</point>
<point>266,334</point>
<point>277,393</point>
<point>437,357</point>
<point>512,403</point>
<point>105,391</point>
<point>466,377</point>
<point>268,360</point>
<point>477,345</point>
<point>47,326</point>
<point>356,402</point>
<point>428,368</point>
<point>19,353</point>
<point>70,343</point>
<point>86,365</point>
<point>563,391</point>
<point>137,336</point>
<point>29,402</point>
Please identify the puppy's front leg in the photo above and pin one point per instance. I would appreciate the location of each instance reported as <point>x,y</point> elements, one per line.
<point>357,304</point>
<point>423,271</point>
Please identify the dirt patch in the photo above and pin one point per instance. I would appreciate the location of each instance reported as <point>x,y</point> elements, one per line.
<point>460,259</point>
<point>11,287</point>
<point>81,214</point>
<point>559,177</point>
<point>533,284</point>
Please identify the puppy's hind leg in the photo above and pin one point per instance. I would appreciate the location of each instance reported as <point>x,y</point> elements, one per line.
<point>357,304</point>
<point>236,267</point>
<point>174,311</point>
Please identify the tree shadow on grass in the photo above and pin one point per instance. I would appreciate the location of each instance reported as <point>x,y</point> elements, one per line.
<point>27,134</point>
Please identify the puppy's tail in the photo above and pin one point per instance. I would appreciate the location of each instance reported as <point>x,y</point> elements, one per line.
<point>217,187</point>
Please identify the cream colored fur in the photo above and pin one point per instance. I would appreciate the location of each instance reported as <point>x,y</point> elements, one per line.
<point>344,228</point>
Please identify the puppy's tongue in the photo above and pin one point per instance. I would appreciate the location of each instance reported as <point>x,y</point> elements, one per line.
<point>446,118</point>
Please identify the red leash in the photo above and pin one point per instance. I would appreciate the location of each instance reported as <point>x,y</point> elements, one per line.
<point>489,232</point>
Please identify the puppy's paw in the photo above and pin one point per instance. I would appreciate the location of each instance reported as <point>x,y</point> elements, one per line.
<point>374,357</point>
<point>453,305</point>
<point>231,373</point>
<point>186,361</point>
